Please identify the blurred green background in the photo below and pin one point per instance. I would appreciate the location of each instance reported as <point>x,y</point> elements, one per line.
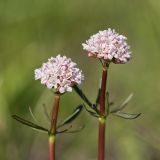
<point>31,31</point>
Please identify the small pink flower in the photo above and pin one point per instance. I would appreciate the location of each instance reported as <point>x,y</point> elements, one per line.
<point>109,46</point>
<point>59,73</point>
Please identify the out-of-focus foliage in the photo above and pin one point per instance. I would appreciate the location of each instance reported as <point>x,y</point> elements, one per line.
<point>33,30</point>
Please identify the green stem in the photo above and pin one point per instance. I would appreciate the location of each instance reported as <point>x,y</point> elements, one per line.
<point>101,135</point>
<point>52,132</point>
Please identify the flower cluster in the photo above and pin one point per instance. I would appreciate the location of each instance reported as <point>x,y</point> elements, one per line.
<point>109,46</point>
<point>59,73</point>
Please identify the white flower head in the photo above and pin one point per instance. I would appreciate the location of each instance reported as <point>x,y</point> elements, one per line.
<point>59,73</point>
<point>109,46</point>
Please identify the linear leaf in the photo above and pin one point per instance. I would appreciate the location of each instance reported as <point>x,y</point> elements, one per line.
<point>123,105</point>
<point>97,98</point>
<point>32,115</point>
<point>82,95</point>
<point>64,130</point>
<point>108,104</point>
<point>46,113</point>
<point>28,123</point>
<point>126,115</point>
<point>76,130</point>
<point>72,116</point>
<point>94,114</point>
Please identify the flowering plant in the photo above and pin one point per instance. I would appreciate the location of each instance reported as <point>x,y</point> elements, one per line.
<point>60,74</point>
<point>107,46</point>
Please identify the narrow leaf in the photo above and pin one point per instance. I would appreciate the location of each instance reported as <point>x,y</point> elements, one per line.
<point>72,116</point>
<point>32,115</point>
<point>91,112</point>
<point>28,123</point>
<point>82,95</point>
<point>123,105</point>
<point>64,130</point>
<point>46,112</point>
<point>97,99</point>
<point>126,101</point>
<point>108,104</point>
<point>76,130</point>
<point>126,115</point>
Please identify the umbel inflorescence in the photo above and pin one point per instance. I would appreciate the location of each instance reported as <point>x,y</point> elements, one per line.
<point>59,73</point>
<point>109,46</point>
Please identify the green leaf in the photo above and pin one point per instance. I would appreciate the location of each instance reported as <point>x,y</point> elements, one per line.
<point>64,130</point>
<point>123,105</point>
<point>30,124</point>
<point>126,115</point>
<point>108,104</point>
<point>97,98</point>
<point>46,113</point>
<point>76,130</point>
<point>68,130</point>
<point>32,115</point>
<point>94,114</point>
<point>82,95</point>
<point>72,116</point>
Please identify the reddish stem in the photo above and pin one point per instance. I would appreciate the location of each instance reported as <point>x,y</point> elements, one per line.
<point>103,91</point>
<point>101,141</point>
<point>53,128</point>
<point>101,136</point>
<point>51,145</point>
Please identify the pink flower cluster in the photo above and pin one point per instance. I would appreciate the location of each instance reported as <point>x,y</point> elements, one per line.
<point>59,73</point>
<point>109,46</point>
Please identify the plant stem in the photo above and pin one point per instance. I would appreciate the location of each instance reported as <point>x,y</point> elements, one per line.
<point>51,151</point>
<point>101,136</point>
<point>52,132</point>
